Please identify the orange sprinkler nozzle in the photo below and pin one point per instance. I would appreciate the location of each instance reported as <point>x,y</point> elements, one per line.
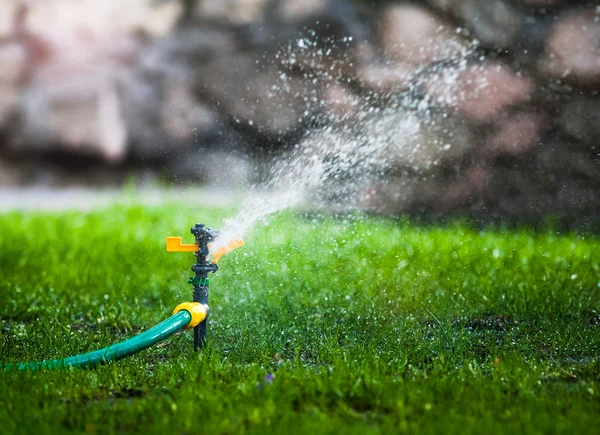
<point>225,249</point>
<point>174,245</point>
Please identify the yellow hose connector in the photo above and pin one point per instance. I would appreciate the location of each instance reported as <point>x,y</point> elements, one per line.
<point>197,310</point>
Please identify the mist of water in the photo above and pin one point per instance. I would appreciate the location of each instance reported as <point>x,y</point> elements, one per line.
<point>334,165</point>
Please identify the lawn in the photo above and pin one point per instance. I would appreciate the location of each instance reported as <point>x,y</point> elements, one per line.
<point>318,325</point>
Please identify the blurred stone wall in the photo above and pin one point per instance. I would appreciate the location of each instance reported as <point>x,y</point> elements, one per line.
<point>195,90</point>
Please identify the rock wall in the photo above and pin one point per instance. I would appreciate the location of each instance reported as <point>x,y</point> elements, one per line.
<point>533,116</point>
<point>191,89</point>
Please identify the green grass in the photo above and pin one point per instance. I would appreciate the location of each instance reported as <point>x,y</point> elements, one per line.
<point>368,325</point>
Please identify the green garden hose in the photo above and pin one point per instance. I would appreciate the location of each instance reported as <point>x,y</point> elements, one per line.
<point>186,315</point>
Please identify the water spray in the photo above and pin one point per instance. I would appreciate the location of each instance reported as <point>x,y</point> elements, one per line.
<point>187,315</point>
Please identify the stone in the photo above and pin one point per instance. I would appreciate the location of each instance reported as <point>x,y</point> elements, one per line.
<point>257,97</point>
<point>400,194</point>
<point>72,100</point>
<point>419,145</point>
<point>463,192</point>
<point>388,78</point>
<point>218,168</point>
<point>230,12</point>
<point>182,113</point>
<point>70,97</point>
<point>168,110</point>
<point>65,20</point>
<point>75,119</point>
<point>516,135</point>
<point>10,175</point>
<point>572,50</point>
<point>339,102</point>
<point>480,92</point>
<point>541,3</point>
<point>329,40</point>
<point>300,9</point>
<point>9,10</point>
<point>411,34</point>
<point>186,51</point>
<point>495,23</point>
<point>580,118</point>
<point>321,59</point>
<point>13,58</point>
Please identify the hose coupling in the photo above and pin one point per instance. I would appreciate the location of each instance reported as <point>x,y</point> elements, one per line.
<point>198,311</point>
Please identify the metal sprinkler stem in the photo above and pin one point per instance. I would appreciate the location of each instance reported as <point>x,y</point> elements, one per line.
<point>201,269</point>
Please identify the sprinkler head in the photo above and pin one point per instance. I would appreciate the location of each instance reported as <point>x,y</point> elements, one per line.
<point>203,236</point>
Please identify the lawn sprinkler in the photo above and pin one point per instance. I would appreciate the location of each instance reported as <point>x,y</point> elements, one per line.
<point>187,315</point>
<point>204,236</point>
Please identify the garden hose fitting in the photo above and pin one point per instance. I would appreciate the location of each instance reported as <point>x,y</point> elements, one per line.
<point>199,312</point>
